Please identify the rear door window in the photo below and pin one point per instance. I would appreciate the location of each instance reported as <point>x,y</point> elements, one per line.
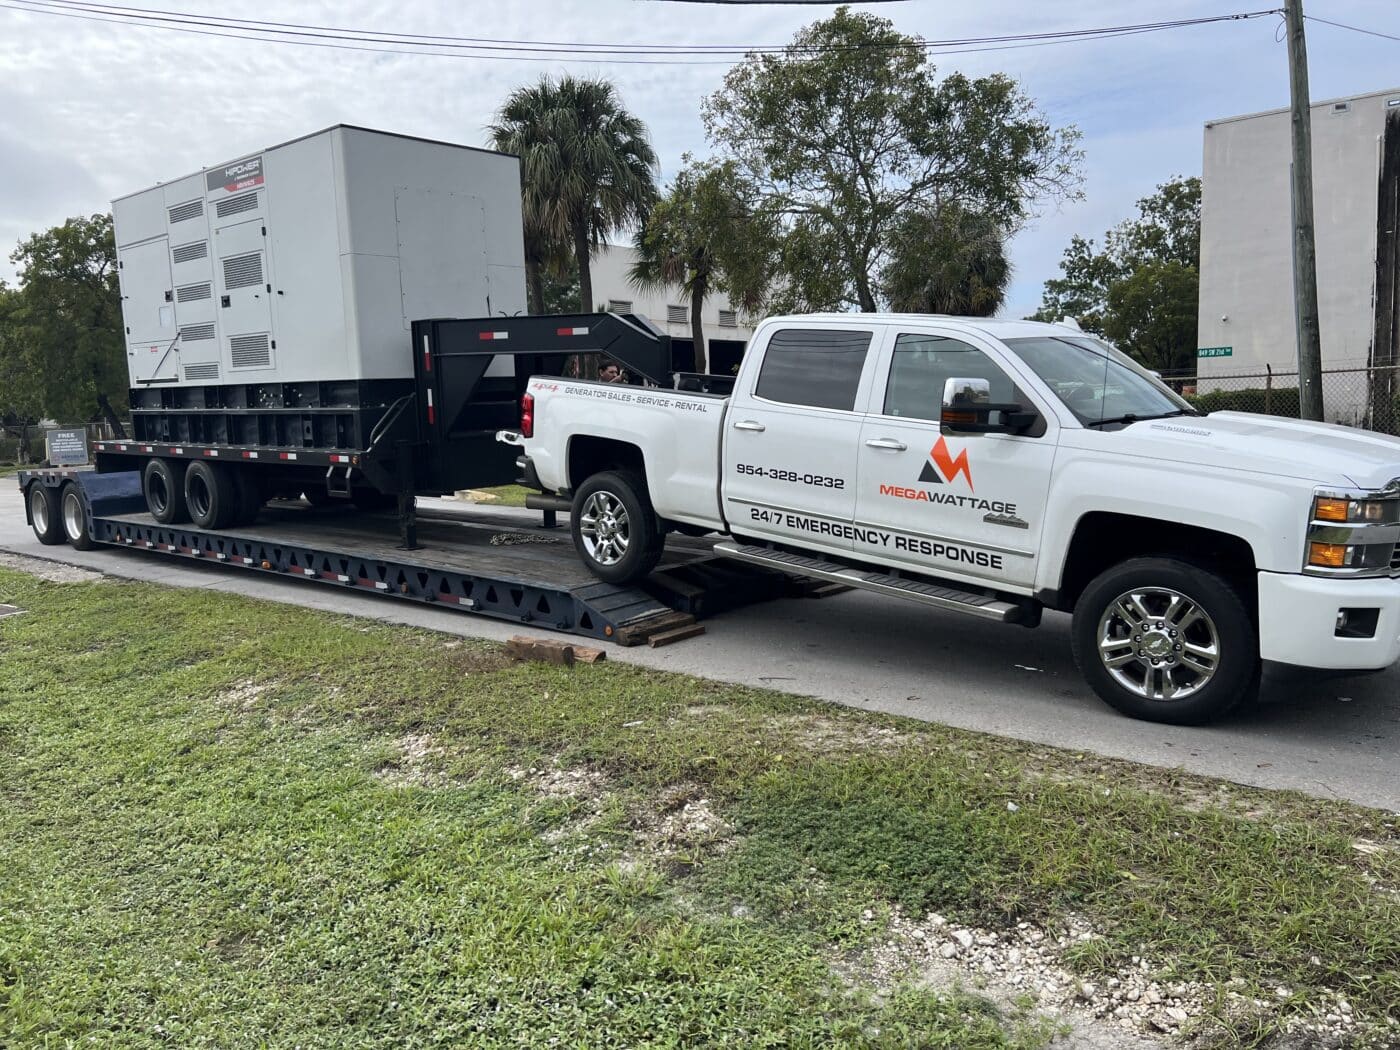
<point>814,368</point>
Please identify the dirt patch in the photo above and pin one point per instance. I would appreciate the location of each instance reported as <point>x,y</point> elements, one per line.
<point>49,571</point>
<point>1132,1009</point>
<point>824,733</point>
<point>415,763</point>
<point>242,696</point>
<point>681,822</point>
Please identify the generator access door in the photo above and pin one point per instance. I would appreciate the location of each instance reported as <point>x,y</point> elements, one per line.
<point>245,291</point>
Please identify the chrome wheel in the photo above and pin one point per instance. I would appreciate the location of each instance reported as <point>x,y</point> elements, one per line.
<point>1158,643</point>
<point>39,509</point>
<point>73,518</point>
<point>605,528</point>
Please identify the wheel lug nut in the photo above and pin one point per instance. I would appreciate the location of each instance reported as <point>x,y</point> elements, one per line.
<point>1137,637</point>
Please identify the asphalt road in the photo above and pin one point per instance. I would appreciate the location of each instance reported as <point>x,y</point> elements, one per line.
<point>1334,738</point>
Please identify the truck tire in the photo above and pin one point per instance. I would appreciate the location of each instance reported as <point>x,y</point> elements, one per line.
<point>76,529</point>
<point>1166,641</point>
<point>615,530</point>
<point>44,514</point>
<point>163,484</point>
<point>211,494</point>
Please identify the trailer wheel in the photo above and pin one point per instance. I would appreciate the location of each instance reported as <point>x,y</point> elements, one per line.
<point>163,484</point>
<point>75,519</point>
<point>44,514</point>
<point>615,529</point>
<point>250,496</point>
<point>211,493</point>
<point>1166,641</point>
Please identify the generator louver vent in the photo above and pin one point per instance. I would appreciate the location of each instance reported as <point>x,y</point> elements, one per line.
<point>183,253</point>
<point>188,210</point>
<point>191,293</point>
<point>243,271</point>
<point>237,205</point>
<point>193,333</point>
<point>208,370</point>
<point>250,351</point>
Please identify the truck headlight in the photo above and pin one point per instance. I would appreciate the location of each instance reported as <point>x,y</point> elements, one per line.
<point>1354,533</point>
<point>1384,511</point>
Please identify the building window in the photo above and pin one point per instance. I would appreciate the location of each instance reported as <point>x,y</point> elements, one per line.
<point>620,306</point>
<point>728,319</point>
<point>677,315</point>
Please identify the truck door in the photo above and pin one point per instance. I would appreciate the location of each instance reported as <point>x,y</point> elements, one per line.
<point>966,505</point>
<point>791,438</point>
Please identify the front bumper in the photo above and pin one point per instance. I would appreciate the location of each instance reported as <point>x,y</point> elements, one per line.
<point>1298,621</point>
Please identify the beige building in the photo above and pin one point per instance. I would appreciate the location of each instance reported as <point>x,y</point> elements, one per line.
<point>1246,300</point>
<point>726,332</point>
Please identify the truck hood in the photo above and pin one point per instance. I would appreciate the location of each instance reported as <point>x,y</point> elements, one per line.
<point>1319,452</point>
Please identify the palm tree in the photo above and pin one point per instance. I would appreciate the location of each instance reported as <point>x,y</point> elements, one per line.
<point>949,262</point>
<point>702,237</point>
<point>587,167</point>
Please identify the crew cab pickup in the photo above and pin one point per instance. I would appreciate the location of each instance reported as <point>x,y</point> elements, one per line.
<point>999,468</point>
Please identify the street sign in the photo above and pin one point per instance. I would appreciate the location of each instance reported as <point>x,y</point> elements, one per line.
<point>66,448</point>
<point>1216,351</point>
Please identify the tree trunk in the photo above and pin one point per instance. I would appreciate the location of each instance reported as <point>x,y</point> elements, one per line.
<point>534,288</point>
<point>697,325</point>
<point>110,414</point>
<point>867,300</point>
<point>585,275</point>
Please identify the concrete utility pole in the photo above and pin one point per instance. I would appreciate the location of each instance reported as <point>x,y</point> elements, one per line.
<point>1304,240</point>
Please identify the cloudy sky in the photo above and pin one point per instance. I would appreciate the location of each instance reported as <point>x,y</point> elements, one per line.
<point>89,110</point>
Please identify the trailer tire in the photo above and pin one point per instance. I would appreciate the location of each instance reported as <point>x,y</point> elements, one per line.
<point>250,496</point>
<point>76,529</point>
<point>163,485</point>
<point>44,514</point>
<point>616,532</point>
<point>1165,640</point>
<point>317,496</point>
<point>211,494</point>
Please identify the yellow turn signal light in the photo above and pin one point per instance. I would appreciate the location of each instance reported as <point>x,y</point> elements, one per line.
<point>1328,555</point>
<point>1331,510</point>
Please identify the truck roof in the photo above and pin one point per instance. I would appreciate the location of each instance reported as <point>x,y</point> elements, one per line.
<point>998,327</point>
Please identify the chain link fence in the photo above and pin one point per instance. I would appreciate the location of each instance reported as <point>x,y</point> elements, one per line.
<point>1363,397</point>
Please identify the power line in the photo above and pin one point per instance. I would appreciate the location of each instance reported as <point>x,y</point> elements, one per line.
<point>1354,29</point>
<point>309,35</point>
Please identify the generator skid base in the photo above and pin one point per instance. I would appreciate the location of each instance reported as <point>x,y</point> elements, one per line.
<point>489,564</point>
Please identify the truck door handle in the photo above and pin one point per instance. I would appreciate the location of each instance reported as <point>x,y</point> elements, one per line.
<point>749,424</point>
<point>889,443</point>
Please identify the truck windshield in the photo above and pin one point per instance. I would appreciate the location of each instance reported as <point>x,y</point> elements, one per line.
<point>1099,384</point>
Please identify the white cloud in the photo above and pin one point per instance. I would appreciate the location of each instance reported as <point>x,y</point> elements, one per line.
<point>92,111</point>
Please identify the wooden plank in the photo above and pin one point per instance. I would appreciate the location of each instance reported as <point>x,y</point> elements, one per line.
<point>678,634</point>
<point>543,650</point>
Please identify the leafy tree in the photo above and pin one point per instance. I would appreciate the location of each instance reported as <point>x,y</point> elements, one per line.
<point>703,237</point>
<point>848,130</point>
<point>559,292</point>
<point>587,168</point>
<point>69,320</point>
<point>948,262</point>
<point>1141,290</point>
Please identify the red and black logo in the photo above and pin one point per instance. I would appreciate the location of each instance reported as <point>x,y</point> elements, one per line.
<point>943,467</point>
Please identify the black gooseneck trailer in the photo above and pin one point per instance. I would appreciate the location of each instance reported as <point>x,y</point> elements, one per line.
<point>357,452</point>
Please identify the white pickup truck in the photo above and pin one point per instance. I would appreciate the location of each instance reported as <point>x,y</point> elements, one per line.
<point>999,468</point>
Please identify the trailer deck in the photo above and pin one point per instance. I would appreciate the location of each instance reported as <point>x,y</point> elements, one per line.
<point>479,561</point>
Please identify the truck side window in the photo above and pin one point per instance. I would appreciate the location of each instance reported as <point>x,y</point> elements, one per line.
<point>820,369</point>
<point>924,363</point>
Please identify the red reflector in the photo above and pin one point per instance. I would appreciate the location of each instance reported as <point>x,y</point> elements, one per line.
<point>527,416</point>
<point>432,416</point>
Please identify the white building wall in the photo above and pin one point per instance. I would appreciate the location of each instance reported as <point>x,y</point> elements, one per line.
<point>1246,297</point>
<point>612,287</point>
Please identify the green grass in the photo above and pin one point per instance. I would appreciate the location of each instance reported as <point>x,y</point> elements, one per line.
<point>509,495</point>
<point>229,823</point>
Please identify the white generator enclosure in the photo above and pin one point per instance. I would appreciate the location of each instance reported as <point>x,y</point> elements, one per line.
<point>308,261</point>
